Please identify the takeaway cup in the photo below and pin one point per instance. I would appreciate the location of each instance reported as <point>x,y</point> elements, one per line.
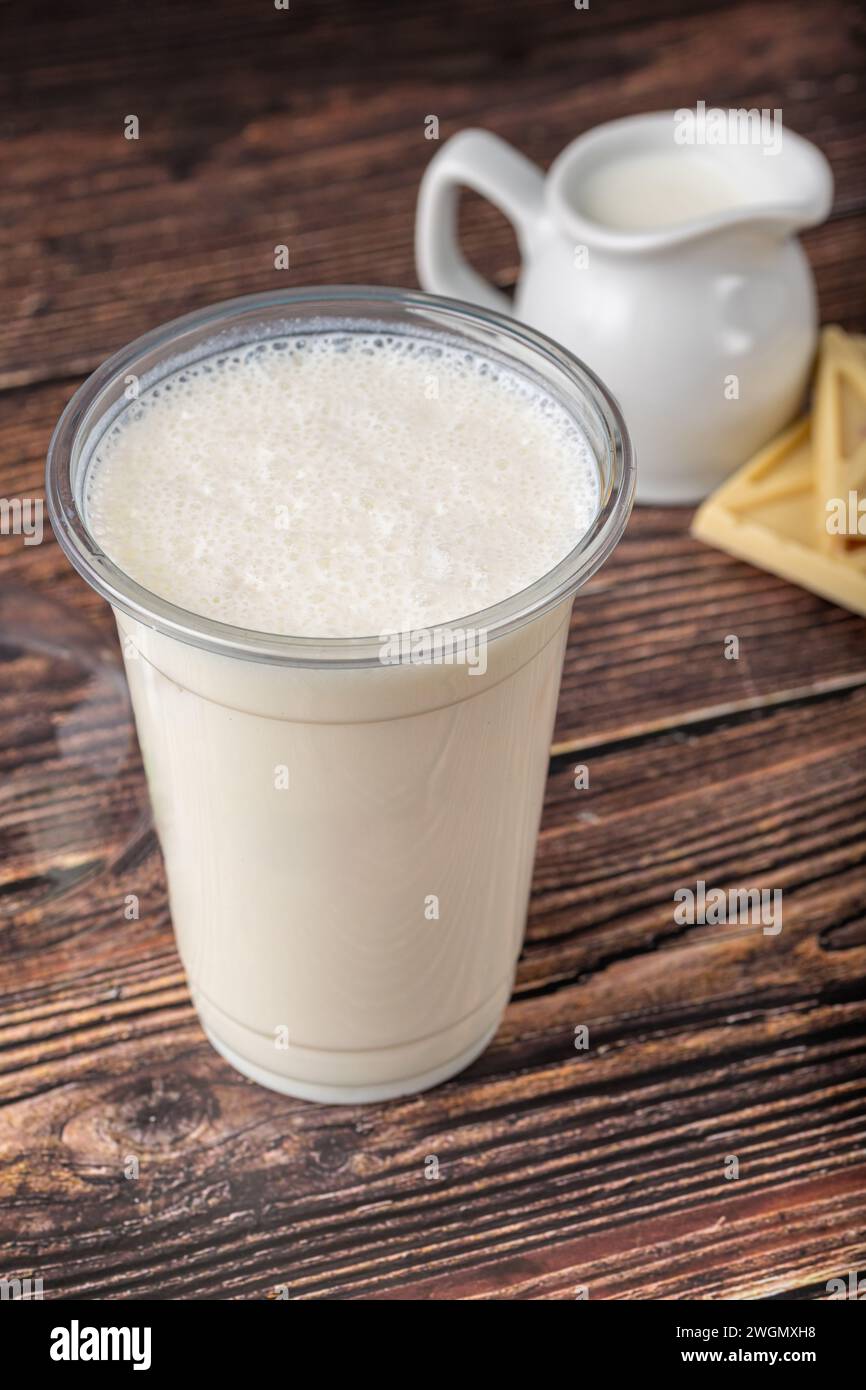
<point>348,837</point>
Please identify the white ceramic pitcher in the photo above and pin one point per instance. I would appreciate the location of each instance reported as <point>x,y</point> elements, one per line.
<point>692,299</point>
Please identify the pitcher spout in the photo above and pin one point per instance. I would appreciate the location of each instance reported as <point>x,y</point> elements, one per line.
<point>648,183</point>
<point>788,181</point>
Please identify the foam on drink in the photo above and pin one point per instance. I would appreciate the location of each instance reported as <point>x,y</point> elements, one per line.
<point>341,485</point>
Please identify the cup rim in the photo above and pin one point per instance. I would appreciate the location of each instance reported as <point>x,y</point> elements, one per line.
<point>125,593</point>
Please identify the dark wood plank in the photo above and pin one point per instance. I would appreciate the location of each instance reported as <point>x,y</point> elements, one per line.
<point>102,237</point>
<point>647,647</point>
<point>704,1042</point>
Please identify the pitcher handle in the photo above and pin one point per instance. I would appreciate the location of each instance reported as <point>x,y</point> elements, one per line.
<point>490,166</point>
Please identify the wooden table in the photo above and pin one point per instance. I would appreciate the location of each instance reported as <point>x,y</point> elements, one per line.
<point>558,1167</point>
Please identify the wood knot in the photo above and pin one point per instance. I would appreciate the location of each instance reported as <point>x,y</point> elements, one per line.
<point>333,1150</point>
<point>158,1112</point>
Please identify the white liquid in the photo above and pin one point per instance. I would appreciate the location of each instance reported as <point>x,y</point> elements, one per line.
<point>645,192</point>
<point>348,851</point>
<point>329,487</point>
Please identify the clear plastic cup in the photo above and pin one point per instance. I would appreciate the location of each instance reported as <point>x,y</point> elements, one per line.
<point>348,843</point>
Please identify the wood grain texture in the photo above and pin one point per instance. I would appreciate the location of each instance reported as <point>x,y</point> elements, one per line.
<point>558,1167</point>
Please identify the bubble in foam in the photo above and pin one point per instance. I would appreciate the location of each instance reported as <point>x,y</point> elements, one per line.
<point>418,483</point>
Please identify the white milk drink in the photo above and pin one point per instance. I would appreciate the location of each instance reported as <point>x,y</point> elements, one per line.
<point>348,850</point>
<point>652,190</point>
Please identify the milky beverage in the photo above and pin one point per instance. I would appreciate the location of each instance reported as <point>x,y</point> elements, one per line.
<point>648,191</point>
<point>348,848</point>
